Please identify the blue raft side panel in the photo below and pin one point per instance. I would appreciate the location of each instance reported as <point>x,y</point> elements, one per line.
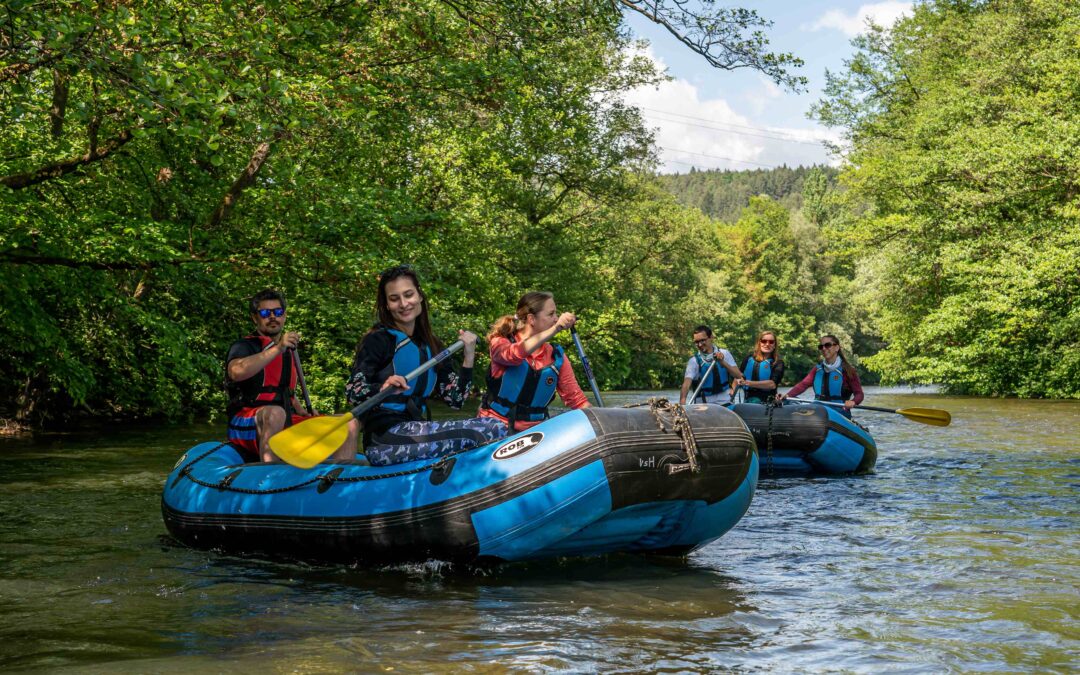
<point>661,526</point>
<point>565,513</point>
<point>840,453</point>
<point>544,516</point>
<point>473,471</point>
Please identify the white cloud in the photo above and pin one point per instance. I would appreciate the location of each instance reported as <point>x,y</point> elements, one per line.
<point>764,96</point>
<point>881,13</point>
<point>705,133</point>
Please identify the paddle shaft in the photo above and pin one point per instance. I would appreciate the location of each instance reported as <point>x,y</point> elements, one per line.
<point>588,368</point>
<point>931,416</point>
<point>420,370</point>
<point>303,384</point>
<point>841,405</point>
<point>701,384</point>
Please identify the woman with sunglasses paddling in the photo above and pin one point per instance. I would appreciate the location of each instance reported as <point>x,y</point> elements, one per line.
<point>400,429</point>
<point>833,379</point>
<point>762,370</point>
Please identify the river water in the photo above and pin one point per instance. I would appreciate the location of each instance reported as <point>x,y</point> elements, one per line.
<point>959,554</point>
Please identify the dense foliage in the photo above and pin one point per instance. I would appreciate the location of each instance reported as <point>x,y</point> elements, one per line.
<point>161,161</point>
<point>962,125</point>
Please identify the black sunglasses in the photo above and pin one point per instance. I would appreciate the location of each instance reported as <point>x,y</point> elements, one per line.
<point>826,345</point>
<point>265,313</point>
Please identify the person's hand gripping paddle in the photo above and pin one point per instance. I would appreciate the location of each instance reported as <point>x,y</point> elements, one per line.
<point>310,442</point>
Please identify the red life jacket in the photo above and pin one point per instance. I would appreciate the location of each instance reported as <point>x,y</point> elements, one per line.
<point>273,385</point>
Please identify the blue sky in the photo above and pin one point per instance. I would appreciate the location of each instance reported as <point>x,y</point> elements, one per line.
<point>717,119</point>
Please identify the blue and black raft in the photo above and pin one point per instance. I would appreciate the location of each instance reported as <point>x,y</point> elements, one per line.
<point>660,479</point>
<point>810,439</point>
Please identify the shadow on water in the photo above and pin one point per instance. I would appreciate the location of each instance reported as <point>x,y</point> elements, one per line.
<point>959,553</point>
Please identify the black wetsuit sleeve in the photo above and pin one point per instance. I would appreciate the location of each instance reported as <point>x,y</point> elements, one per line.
<point>453,387</point>
<point>777,374</point>
<point>376,351</point>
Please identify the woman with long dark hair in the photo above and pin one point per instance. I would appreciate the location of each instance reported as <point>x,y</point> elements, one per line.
<point>833,379</point>
<point>763,369</point>
<point>400,429</point>
<point>526,369</point>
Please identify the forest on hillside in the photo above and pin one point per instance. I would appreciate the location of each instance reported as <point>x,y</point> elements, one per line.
<point>723,194</point>
<point>161,162</point>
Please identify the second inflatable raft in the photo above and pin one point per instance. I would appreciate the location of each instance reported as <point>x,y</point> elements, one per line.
<point>807,439</point>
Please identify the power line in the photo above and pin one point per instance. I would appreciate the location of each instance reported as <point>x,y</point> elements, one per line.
<point>771,134</point>
<point>705,119</point>
<point>696,166</point>
<point>740,133</point>
<point>702,154</point>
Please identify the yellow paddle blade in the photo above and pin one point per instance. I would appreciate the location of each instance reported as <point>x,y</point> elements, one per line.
<point>931,416</point>
<point>306,444</point>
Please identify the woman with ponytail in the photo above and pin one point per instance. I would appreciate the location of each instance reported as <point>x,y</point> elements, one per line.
<point>526,370</point>
<point>833,379</point>
<point>400,428</point>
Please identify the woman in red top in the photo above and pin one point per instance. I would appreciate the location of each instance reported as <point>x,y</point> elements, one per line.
<point>526,371</point>
<point>833,379</point>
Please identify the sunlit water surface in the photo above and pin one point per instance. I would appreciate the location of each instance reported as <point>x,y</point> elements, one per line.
<point>958,554</point>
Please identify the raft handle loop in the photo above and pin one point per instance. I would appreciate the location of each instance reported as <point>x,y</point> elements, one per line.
<point>227,480</point>
<point>327,481</point>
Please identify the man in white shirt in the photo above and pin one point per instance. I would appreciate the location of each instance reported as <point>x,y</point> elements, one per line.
<point>725,374</point>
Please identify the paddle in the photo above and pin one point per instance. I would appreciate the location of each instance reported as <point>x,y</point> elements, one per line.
<point>932,416</point>
<point>306,444</point>
<point>303,384</point>
<point>588,369</point>
<point>704,377</point>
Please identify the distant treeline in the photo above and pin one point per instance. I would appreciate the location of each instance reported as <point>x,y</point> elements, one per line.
<point>723,194</point>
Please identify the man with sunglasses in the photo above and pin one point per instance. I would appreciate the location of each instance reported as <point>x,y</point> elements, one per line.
<point>260,377</point>
<point>719,381</point>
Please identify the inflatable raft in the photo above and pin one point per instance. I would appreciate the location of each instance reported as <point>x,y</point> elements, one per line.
<point>586,482</point>
<point>807,439</point>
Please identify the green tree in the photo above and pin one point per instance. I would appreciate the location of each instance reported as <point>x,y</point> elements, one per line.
<point>162,161</point>
<point>960,123</point>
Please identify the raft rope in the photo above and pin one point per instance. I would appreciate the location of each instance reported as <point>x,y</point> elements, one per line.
<point>668,415</point>
<point>770,406</point>
<point>672,416</point>
<point>327,479</point>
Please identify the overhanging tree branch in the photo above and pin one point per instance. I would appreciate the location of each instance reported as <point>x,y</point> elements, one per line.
<point>720,36</point>
<point>61,88</point>
<point>101,151</point>
<point>243,181</point>
<point>105,265</point>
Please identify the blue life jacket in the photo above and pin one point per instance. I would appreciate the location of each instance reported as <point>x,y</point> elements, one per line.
<point>522,392</point>
<point>718,378</point>
<point>835,391</point>
<point>407,358</point>
<point>757,370</point>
